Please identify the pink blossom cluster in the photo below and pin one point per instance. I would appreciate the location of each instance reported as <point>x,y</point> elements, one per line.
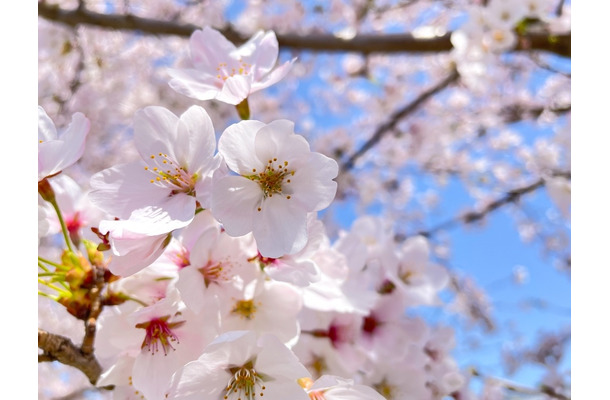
<point>230,284</point>
<point>233,287</point>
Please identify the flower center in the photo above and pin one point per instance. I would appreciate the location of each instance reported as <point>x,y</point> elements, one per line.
<point>263,261</point>
<point>245,383</point>
<point>245,309</point>
<point>224,71</point>
<point>385,389</point>
<point>273,178</point>
<point>318,365</point>
<point>307,383</point>
<point>169,174</point>
<point>159,332</point>
<point>212,273</point>
<point>406,277</point>
<point>498,36</point>
<point>180,258</point>
<point>370,324</point>
<point>339,334</point>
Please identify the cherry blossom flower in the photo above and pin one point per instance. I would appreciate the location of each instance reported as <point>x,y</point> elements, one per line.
<point>329,387</point>
<point>174,175</point>
<point>298,269</point>
<point>162,337</point>
<point>241,365</point>
<point>264,307</point>
<point>560,190</point>
<point>280,181</point>
<point>57,151</point>
<point>335,342</point>
<point>215,263</point>
<point>228,73</point>
<point>386,332</point>
<point>415,275</point>
<point>138,241</point>
<point>506,13</point>
<point>400,380</point>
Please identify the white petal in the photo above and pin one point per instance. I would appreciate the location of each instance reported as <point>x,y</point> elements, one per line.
<point>46,127</point>
<point>416,252</point>
<point>194,84</point>
<point>278,361</point>
<point>192,288</point>
<point>152,374</point>
<point>196,141</point>
<point>137,253</point>
<point>277,139</point>
<point>265,54</point>
<point>237,147</point>
<point>275,76</point>
<point>279,228</point>
<point>314,188</point>
<point>121,189</point>
<point>235,89</point>
<point>155,130</point>
<point>234,202</point>
<point>208,48</point>
<point>74,136</point>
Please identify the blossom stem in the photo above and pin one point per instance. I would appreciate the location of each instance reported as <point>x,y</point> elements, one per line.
<point>47,295</point>
<point>44,260</point>
<point>243,109</point>
<point>51,286</point>
<point>48,274</point>
<point>61,277</point>
<point>64,229</point>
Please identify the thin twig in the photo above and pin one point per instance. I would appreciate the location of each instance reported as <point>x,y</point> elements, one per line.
<point>512,196</point>
<point>549,391</point>
<point>396,117</point>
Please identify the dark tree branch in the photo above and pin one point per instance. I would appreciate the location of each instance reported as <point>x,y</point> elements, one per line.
<point>398,115</point>
<point>95,311</point>
<point>388,43</point>
<point>517,112</point>
<point>60,348</point>
<point>521,389</point>
<point>476,309</point>
<point>512,196</point>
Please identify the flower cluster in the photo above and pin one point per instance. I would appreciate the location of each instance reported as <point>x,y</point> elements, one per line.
<point>216,271</point>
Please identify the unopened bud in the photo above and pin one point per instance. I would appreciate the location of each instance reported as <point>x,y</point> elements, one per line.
<point>46,191</point>
<point>96,257</point>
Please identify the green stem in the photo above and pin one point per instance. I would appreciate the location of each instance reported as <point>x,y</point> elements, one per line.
<point>243,109</point>
<point>45,269</point>
<point>51,286</point>
<point>49,274</point>
<point>51,263</point>
<point>47,295</point>
<point>64,229</point>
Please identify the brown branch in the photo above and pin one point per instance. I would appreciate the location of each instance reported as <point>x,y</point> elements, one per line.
<point>60,348</point>
<point>512,196</point>
<point>549,391</point>
<point>517,112</point>
<point>388,43</point>
<point>398,115</point>
<point>476,308</point>
<point>95,311</point>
